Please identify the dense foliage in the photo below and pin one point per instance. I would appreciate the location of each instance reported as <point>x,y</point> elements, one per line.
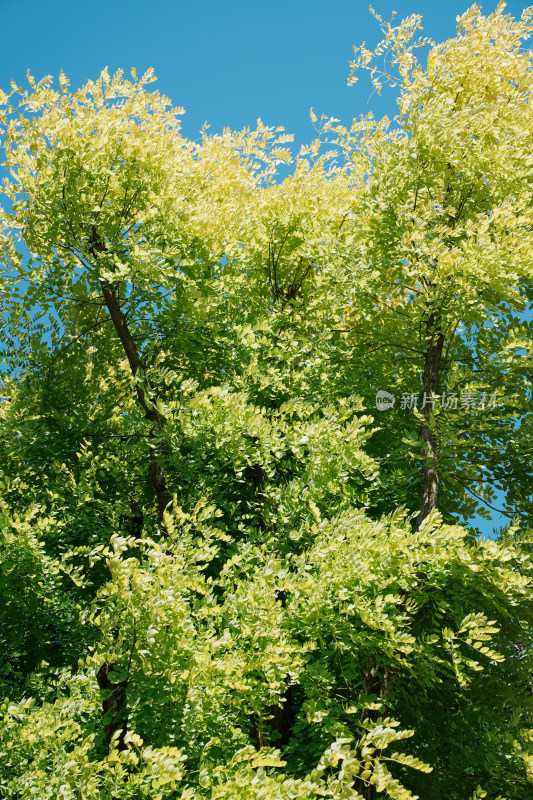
<point>224,572</point>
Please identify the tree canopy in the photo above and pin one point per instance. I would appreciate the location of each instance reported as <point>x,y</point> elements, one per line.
<point>251,399</point>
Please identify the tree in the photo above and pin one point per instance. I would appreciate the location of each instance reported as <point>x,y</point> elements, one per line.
<point>443,226</point>
<point>269,586</point>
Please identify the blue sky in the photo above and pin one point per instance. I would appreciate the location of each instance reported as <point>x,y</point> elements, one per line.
<point>227,63</point>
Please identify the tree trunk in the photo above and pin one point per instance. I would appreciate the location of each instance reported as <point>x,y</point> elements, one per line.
<point>151,413</point>
<point>114,702</point>
<point>114,705</point>
<point>429,449</point>
<point>281,716</point>
<point>377,682</point>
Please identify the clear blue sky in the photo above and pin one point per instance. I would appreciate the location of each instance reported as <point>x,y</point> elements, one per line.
<point>226,62</point>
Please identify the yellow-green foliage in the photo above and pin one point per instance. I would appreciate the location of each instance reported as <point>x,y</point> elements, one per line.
<point>282,630</point>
